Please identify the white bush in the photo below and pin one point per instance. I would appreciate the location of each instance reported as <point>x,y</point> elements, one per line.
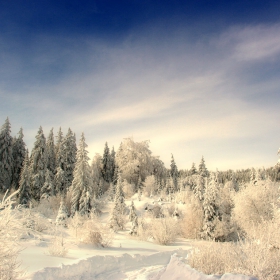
<point>254,204</point>
<point>10,232</point>
<point>58,247</point>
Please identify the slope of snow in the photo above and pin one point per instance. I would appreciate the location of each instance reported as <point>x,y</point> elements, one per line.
<point>158,266</point>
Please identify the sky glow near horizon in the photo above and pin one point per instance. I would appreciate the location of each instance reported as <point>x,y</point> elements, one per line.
<point>194,80</point>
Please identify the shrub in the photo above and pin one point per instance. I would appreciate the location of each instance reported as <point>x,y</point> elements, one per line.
<point>254,204</point>
<point>57,247</point>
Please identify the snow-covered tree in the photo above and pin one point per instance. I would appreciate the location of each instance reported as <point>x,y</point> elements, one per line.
<point>69,152</point>
<point>82,185</point>
<point>96,169</point>
<point>58,148</point>
<point>202,170</point>
<point>134,159</point>
<point>174,174</point>
<point>6,156</point>
<point>117,216</point>
<point>112,165</point>
<point>132,212</point>
<point>50,154</point>
<point>48,188</point>
<point>61,218</point>
<point>19,151</point>
<point>193,170</point>
<point>106,162</point>
<point>60,181</point>
<point>24,194</point>
<point>210,207</point>
<point>38,165</point>
<point>199,186</point>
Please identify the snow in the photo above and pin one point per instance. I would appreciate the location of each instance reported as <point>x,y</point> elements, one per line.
<point>127,258</point>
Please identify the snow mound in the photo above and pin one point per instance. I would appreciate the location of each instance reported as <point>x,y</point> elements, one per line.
<point>178,270</point>
<point>158,266</point>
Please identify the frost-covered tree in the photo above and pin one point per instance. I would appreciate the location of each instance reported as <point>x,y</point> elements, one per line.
<point>117,216</point>
<point>193,170</point>
<point>6,156</point>
<point>24,194</point>
<point>69,152</point>
<point>134,159</point>
<point>96,169</point>
<point>174,174</point>
<point>82,185</point>
<point>60,181</point>
<point>38,165</point>
<point>58,148</point>
<point>210,207</point>
<point>19,151</point>
<point>132,212</point>
<point>106,161</point>
<point>112,165</point>
<point>48,188</point>
<point>61,218</point>
<point>50,154</point>
<point>202,170</point>
<point>199,186</point>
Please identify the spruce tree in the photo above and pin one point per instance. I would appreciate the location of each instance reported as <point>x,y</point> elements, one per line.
<point>50,154</point>
<point>82,186</point>
<point>193,170</point>
<point>58,149</point>
<point>106,162</point>
<point>112,164</point>
<point>24,183</point>
<point>69,152</point>
<point>48,188</point>
<point>61,218</point>
<point>132,212</point>
<point>174,174</point>
<point>210,207</point>
<point>60,181</point>
<point>117,219</point>
<point>38,165</point>
<point>202,170</point>
<point>19,151</point>
<point>6,156</point>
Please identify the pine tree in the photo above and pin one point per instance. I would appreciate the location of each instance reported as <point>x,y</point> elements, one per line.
<point>6,156</point>
<point>193,170</point>
<point>106,162</point>
<point>19,151</point>
<point>48,188</point>
<point>24,183</point>
<point>117,219</point>
<point>199,187</point>
<point>50,154</point>
<point>174,174</point>
<point>69,152</point>
<point>112,164</point>
<point>210,207</point>
<point>60,181</point>
<point>82,186</point>
<point>132,212</point>
<point>58,149</point>
<point>62,215</point>
<point>38,165</point>
<point>202,170</point>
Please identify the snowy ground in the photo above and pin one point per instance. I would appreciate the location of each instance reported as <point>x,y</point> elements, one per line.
<point>127,258</point>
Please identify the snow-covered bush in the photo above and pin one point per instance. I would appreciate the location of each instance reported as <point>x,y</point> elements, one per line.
<point>90,230</point>
<point>10,232</point>
<point>150,186</point>
<point>258,255</point>
<point>128,189</point>
<point>254,204</point>
<point>192,222</point>
<point>159,230</point>
<point>57,247</point>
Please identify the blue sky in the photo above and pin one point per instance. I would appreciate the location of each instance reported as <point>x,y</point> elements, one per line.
<point>193,77</point>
